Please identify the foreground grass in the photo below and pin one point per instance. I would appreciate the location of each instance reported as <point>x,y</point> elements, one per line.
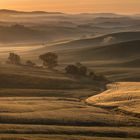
<point>37,104</point>
<point>59,111</point>
<point>118,132</point>
<point>56,137</point>
<point>57,118</point>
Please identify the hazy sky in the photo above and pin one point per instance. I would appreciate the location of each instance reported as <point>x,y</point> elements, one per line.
<point>74,6</point>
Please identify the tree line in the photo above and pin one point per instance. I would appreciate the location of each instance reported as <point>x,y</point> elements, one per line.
<point>50,61</point>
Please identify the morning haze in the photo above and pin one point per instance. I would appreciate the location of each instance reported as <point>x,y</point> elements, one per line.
<point>72,6</point>
<point>69,70</point>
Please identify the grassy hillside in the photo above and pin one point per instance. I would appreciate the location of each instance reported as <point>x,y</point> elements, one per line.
<point>39,78</point>
<point>36,103</point>
<point>124,51</point>
<point>41,104</point>
<point>132,63</point>
<point>118,61</point>
<point>123,97</point>
<point>96,41</point>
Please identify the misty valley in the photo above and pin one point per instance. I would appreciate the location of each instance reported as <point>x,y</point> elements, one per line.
<point>69,76</point>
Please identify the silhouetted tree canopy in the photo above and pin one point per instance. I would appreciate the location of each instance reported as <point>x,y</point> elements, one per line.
<point>77,69</point>
<point>49,59</point>
<point>97,77</point>
<point>14,58</point>
<point>71,69</point>
<point>81,70</point>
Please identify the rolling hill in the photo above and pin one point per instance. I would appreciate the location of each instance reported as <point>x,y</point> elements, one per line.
<point>96,41</point>
<point>24,77</point>
<point>83,24</point>
<point>20,34</point>
<point>133,63</point>
<point>37,103</point>
<point>120,51</point>
<point>118,61</point>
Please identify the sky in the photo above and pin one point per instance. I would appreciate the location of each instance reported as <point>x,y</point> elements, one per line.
<point>74,6</point>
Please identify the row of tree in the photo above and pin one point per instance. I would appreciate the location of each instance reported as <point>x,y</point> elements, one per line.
<point>50,60</point>
<point>81,70</point>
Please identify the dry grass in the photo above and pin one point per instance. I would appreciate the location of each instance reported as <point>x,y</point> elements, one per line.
<point>23,77</point>
<point>120,132</point>
<point>60,113</point>
<point>57,137</point>
<point>124,96</point>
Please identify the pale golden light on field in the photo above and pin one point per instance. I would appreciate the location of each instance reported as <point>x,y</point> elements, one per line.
<point>72,6</point>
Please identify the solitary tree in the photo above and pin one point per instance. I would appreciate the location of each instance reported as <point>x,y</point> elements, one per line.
<point>49,59</point>
<point>14,58</point>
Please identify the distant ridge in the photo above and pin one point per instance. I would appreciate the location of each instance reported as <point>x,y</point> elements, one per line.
<point>6,11</point>
<point>102,14</point>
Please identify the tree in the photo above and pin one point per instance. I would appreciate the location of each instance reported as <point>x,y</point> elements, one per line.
<point>77,69</point>
<point>71,69</point>
<point>82,70</point>
<point>14,58</point>
<point>49,59</point>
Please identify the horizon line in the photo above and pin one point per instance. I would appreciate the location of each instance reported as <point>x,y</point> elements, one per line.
<point>117,13</point>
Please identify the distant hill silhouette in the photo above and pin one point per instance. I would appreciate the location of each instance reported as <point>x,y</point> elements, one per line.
<point>6,11</point>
